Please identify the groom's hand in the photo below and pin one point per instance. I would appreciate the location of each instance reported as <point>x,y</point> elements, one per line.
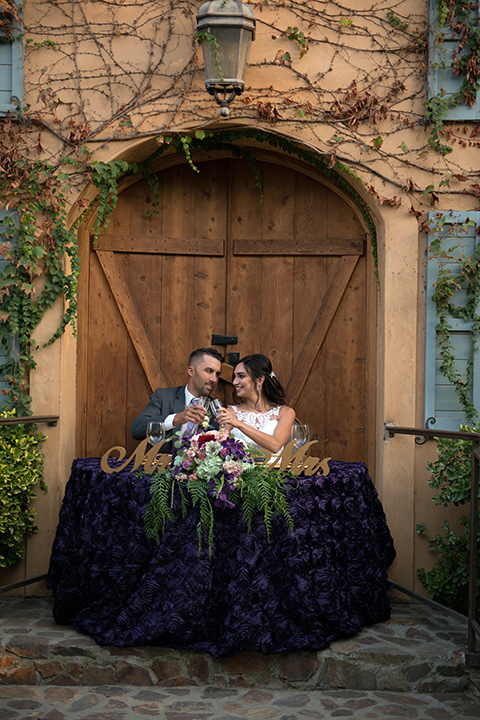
<point>194,413</point>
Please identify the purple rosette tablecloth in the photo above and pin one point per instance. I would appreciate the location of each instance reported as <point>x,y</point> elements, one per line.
<point>327,581</point>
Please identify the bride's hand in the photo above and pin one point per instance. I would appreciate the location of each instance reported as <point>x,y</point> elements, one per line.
<point>226,416</point>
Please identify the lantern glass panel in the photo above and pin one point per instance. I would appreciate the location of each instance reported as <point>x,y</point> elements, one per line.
<point>233,47</point>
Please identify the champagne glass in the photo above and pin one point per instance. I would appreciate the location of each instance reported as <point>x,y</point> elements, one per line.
<point>215,406</point>
<point>299,434</point>
<point>155,432</point>
<point>202,401</point>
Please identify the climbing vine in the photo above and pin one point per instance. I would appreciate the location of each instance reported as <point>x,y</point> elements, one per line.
<point>456,26</point>
<point>456,297</point>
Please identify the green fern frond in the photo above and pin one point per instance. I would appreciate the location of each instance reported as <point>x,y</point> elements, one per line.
<point>259,490</point>
<point>159,509</point>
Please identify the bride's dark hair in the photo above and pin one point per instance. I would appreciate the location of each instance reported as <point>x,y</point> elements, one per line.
<point>258,366</point>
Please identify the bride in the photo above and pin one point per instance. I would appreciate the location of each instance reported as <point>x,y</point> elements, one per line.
<point>261,418</point>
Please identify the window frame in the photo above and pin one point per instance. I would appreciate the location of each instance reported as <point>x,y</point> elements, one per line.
<point>16,70</point>
<point>443,419</point>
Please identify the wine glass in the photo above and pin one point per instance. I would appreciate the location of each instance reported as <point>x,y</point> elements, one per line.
<point>299,434</point>
<point>155,432</point>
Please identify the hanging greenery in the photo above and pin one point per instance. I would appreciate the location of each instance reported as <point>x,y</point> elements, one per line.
<point>213,469</point>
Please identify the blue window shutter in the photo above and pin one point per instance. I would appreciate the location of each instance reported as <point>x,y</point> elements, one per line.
<point>441,401</point>
<point>11,71</point>
<point>440,75</point>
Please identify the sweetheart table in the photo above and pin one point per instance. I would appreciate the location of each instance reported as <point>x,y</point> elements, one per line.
<point>288,593</point>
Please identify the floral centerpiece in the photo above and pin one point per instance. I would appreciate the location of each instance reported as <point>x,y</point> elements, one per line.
<point>213,469</point>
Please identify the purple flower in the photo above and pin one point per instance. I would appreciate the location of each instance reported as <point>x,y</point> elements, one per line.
<point>222,501</point>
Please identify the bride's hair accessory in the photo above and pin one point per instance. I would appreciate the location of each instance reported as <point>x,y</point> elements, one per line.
<point>272,374</point>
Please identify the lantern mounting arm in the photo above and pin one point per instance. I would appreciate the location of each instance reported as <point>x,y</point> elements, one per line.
<point>224,95</point>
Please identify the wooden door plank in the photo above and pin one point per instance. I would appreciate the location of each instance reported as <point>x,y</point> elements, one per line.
<point>244,285</point>
<point>178,283</point>
<point>107,367</point>
<point>311,281</point>
<point>320,327</point>
<point>246,219</point>
<point>299,246</point>
<point>345,357</point>
<point>179,202</point>
<point>311,207</point>
<point>211,202</point>
<point>160,245</point>
<point>82,341</point>
<point>209,300</point>
<point>278,202</point>
<point>132,321</point>
<point>342,220</point>
<point>143,276</point>
<point>276,327</point>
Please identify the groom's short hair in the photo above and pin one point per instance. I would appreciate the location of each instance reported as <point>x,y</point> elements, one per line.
<point>196,356</point>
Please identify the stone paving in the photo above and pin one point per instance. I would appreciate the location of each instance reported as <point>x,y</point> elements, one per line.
<point>417,650</point>
<point>412,666</point>
<point>214,703</point>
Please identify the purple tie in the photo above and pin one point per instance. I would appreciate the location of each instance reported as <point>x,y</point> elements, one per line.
<point>192,425</point>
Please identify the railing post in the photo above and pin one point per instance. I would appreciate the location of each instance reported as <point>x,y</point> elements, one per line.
<point>472,656</point>
<point>472,587</point>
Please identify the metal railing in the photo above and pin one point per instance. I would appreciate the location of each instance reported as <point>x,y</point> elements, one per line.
<point>472,656</point>
<point>30,420</point>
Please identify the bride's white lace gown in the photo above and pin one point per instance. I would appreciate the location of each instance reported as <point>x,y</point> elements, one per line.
<point>266,422</point>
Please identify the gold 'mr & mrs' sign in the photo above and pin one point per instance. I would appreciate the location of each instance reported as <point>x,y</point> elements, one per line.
<point>152,460</point>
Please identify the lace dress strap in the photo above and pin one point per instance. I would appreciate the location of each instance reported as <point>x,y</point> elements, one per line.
<point>256,420</point>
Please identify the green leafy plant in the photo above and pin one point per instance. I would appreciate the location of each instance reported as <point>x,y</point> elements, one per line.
<point>436,111</point>
<point>293,33</point>
<point>447,581</point>
<point>21,471</point>
<point>394,20</point>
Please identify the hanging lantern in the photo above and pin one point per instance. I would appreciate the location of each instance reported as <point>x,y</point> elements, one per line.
<point>226,29</point>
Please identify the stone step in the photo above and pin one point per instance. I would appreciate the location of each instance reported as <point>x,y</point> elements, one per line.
<point>418,650</point>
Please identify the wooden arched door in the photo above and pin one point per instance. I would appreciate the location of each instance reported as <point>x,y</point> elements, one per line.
<point>290,278</point>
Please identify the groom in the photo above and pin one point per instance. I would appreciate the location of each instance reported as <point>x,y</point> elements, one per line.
<point>173,406</point>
